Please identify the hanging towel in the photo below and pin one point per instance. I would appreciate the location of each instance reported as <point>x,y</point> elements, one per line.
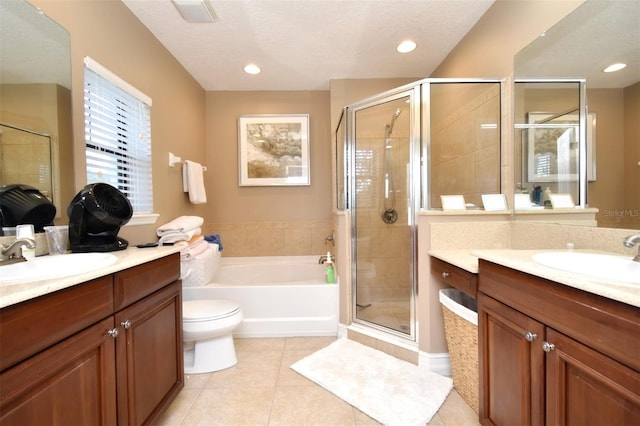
<point>193,182</point>
<point>180,224</point>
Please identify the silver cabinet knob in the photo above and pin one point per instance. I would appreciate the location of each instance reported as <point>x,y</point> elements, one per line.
<point>113,332</point>
<point>548,347</point>
<point>530,336</point>
<point>126,324</point>
<point>446,275</point>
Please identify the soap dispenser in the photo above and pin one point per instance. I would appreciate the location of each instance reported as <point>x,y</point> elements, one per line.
<point>330,273</point>
<point>546,198</point>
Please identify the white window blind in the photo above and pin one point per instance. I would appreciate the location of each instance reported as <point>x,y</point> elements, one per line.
<point>117,120</point>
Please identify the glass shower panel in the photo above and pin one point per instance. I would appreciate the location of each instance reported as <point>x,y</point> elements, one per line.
<point>464,140</point>
<point>383,216</point>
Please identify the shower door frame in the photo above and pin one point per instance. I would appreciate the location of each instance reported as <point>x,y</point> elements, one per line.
<point>412,91</point>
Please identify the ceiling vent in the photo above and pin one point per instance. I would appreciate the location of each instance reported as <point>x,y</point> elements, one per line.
<point>196,11</point>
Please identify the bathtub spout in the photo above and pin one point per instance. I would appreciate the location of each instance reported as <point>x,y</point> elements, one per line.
<point>323,259</point>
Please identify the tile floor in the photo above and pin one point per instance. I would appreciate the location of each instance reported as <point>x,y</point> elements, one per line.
<point>262,390</point>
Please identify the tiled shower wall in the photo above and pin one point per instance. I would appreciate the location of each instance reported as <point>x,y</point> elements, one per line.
<point>273,238</point>
<point>384,256</point>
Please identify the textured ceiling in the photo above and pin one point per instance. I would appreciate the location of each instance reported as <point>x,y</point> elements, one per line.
<point>302,44</point>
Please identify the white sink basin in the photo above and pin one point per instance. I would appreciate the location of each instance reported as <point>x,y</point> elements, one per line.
<point>619,269</point>
<point>49,267</point>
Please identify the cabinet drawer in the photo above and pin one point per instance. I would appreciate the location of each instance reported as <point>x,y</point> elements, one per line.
<point>464,281</point>
<point>36,324</point>
<point>135,283</point>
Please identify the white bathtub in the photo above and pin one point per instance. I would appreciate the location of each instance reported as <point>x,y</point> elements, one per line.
<point>280,296</point>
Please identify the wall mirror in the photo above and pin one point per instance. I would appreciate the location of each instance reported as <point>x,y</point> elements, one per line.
<point>549,74</point>
<point>35,103</point>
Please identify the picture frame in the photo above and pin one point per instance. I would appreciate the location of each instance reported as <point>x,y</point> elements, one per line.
<point>562,201</point>
<point>273,150</point>
<point>552,147</point>
<point>494,202</point>
<point>453,202</point>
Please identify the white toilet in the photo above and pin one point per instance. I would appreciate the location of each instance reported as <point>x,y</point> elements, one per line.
<point>207,327</point>
<point>207,324</point>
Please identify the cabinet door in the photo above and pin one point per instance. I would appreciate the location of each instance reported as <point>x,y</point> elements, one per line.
<point>149,364</point>
<point>511,365</point>
<point>71,383</point>
<point>585,387</point>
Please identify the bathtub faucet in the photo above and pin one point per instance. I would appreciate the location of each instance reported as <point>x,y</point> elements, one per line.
<point>322,259</point>
<point>331,239</point>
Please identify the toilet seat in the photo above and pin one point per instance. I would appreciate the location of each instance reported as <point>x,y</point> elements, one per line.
<point>207,310</point>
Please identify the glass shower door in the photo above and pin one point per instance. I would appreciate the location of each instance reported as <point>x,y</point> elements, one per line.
<point>383,214</point>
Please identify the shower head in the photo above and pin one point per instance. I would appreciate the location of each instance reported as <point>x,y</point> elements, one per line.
<point>394,117</point>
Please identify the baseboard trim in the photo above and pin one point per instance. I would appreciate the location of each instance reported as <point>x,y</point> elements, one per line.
<point>436,362</point>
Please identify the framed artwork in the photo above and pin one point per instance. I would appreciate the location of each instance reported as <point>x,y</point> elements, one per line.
<point>562,201</point>
<point>273,150</point>
<point>453,202</point>
<point>552,147</point>
<point>494,202</point>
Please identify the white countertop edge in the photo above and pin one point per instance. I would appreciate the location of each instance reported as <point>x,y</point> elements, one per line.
<point>13,293</point>
<point>521,260</point>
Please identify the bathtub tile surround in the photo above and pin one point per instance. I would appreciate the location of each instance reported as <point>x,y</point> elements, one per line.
<point>262,389</point>
<point>272,238</point>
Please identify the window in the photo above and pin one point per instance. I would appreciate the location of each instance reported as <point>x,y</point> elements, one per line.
<point>117,119</point>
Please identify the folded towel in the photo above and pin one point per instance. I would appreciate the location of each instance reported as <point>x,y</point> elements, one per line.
<point>193,182</point>
<point>193,250</point>
<point>214,239</point>
<point>180,224</point>
<point>175,236</point>
<point>192,242</point>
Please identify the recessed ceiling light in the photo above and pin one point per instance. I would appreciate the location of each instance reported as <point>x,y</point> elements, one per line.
<point>406,46</point>
<point>252,69</point>
<point>615,67</point>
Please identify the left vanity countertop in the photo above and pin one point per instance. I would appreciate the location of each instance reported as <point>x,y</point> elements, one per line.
<point>16,292</point>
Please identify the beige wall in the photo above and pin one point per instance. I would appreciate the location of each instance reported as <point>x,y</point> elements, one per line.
<point>109,33</point>
<point>267,220</point>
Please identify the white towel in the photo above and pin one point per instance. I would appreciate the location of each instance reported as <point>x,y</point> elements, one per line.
<point>193,250</point>
<point>180,224</point>
<point>193,182</point>
<point>175,236</point>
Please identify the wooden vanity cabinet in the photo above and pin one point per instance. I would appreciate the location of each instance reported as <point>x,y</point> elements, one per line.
<point>124,368</point>
<point>465,281</point>
<point>551,354</point>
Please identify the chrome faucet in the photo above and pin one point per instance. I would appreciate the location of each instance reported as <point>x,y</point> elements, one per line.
<point>13,251</point>
<point>322,259</point>
<point>631,241</point>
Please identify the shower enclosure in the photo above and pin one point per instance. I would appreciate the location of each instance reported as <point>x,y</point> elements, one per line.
<point>397,152</point>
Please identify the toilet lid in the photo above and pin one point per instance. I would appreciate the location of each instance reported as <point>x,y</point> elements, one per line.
<point>205,310</point>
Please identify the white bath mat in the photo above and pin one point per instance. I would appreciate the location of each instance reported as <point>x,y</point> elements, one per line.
<point>392,391</point>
